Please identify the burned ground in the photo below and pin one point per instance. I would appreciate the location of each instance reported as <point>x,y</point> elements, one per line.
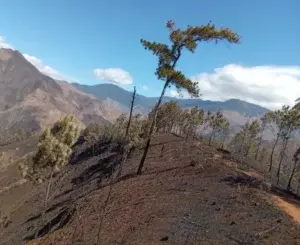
<point>187,195</point>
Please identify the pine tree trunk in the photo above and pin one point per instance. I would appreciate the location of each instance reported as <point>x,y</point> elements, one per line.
<point>187,135</point>
<point>248,150</point>
<point>260,140</point>
<point>282,155</point>
<point>130,115</point>
<point>222,143</point>
<point>153,121</point>
<point>272,152</point>
<point>211,135</point>
<point>291,177</point>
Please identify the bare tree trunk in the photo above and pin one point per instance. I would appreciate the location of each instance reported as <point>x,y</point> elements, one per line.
<point>291,177</point>
<point>281,158</point>
<point>260,141</point>
<point>188,134</point>
<point>273,149</point>
<point>45,204</point>
<point>248,150</point>
<point>131,109</point>
<point>126,151</point>
<point>142,162</point>
<point>241,146</point>
<point>222,143</point>
<point>272,152</point>
<point>286,141</point>
<point>211,136</point>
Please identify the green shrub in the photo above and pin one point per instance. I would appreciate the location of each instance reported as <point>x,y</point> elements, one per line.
<point>54,149</point>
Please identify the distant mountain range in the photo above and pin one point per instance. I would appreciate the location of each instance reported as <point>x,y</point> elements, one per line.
<point>32,100</point>
<point>124,97</point>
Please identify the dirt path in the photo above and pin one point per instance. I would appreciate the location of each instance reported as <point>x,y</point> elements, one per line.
<point>291,209</point>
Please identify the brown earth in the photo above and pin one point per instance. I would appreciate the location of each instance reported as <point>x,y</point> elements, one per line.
<point>189,195</point>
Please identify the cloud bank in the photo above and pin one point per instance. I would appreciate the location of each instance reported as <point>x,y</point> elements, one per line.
<point>114,75</point>
<point>268,86</point>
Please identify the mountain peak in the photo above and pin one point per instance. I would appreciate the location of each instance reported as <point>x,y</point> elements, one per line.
<point>6,54</point>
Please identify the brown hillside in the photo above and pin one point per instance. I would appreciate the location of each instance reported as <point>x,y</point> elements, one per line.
<point>31,100</point>
<point>190,195</point>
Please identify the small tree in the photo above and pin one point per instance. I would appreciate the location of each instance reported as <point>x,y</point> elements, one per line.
<point>224,131</point>
<point>93,132</point>
<point>290,123</point>
<point>238,142</point>
<point>169,56</point>
<point>265,120</point>
<point>278,119</point>
<point>252,137</point>
<point>216,122</point>
<point>295,168</point>
<point>54,150</point>
<point>194,119</point>
<point>167,116</point>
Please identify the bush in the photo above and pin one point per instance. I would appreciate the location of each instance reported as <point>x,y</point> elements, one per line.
<point>116,132</point>
<point>93,132</point>
<point>54,149</point>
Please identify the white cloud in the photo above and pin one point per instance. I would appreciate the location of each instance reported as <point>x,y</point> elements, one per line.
<point>114,75</point>
<point>47,70</point>
<point>4,43</point>
<point>173,93</point>
<point>145,87</point>
<point>268,86</point>
<point>38,63</point>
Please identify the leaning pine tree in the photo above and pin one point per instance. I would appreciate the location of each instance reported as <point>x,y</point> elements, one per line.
<point>169,55</point>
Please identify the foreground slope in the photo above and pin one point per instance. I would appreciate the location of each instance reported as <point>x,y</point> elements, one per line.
<point>189,195</point>
<point>32,100</point>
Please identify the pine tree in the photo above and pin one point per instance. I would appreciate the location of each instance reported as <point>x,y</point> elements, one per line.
<point>216,122</point>
<point>168,57</point>
<point>194,119</point>
<point>265,120</point>
<point>290,123</point>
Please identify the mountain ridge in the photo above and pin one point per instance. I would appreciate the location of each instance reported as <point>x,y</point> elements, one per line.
<point>123,96</point>
<point>32,100</point>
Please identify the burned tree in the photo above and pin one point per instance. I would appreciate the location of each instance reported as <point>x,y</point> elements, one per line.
<point>168,57</point>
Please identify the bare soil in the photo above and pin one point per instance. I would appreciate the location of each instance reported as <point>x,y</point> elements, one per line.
<point>187,195</point>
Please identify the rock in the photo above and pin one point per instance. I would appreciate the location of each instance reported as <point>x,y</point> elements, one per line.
<point>165,238</point>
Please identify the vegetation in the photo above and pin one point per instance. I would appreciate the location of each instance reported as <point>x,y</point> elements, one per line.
<point>14,135</point>
<point>54,150</point>
<point>168,57</point>
<point>217,124</point>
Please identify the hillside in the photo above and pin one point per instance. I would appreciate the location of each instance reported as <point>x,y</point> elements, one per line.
<point>32,100</point>
<point>190,195</point>
<point>116,93</point>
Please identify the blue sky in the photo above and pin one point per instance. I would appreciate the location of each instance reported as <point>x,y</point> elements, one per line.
<point>73,38</point>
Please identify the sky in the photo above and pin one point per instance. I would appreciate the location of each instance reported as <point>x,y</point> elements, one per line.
<point>98,41</point>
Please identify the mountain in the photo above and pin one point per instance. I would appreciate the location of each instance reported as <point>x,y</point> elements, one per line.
<point>238,109</point>
<point>32,100</point>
